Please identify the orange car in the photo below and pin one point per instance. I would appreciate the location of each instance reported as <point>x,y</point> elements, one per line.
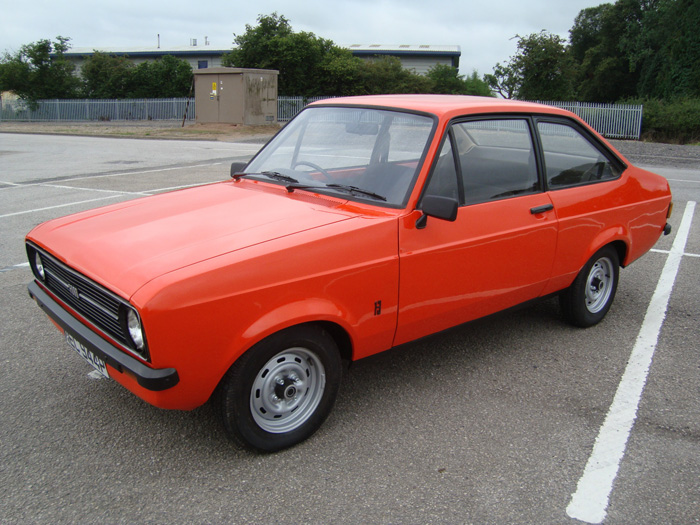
<point>363,224</point>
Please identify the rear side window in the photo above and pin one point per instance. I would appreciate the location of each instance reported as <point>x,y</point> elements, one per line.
<point>571,159</point>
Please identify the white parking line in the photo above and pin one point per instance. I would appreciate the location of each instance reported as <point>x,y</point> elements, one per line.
<point>685,180</point>
<point>117,192</point>
<point>57,206</point>
<point>122,174</point>
<point>685,254</point>
<point>94,189</point>
<point>590,501</point>
<point>182,187</point>
<point>14,267</point>
<point>13,185</point>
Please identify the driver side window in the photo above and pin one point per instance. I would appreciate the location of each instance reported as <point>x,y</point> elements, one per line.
<point>570,159</point>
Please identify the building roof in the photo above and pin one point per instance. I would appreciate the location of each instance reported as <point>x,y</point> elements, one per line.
<point>146,51</point>
<point>404,49</point>
<point>356,49</point>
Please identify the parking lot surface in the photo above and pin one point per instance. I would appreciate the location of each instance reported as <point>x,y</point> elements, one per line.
<point>497,421</point>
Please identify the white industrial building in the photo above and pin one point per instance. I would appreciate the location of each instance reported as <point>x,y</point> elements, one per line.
<point>419,58</point>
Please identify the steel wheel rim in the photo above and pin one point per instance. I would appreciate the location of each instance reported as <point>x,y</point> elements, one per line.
<point>287,390</point>
<point>599,285</point>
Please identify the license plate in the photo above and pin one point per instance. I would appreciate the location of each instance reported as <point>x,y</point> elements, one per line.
<point>87,354</point>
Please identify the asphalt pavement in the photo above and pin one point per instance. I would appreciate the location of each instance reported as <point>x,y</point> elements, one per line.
<point>492,422</point>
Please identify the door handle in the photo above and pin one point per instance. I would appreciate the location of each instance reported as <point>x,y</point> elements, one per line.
<point>541,209</point>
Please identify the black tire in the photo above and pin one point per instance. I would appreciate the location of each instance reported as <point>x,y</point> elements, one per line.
<point>588,299</point>
<point>280,391</point>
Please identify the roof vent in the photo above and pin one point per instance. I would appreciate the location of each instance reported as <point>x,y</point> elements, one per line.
<point>193,42</point>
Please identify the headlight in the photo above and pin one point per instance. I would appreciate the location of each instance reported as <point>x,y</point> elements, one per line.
<point>133,324</point>
<point>39,266</point>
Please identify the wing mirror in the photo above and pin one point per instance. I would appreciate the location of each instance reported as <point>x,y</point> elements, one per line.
<point>444,208</point>
<point>237,167</point>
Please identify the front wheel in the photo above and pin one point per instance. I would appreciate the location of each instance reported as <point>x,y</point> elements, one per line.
<point>588,299</point>
<point>280,391</point>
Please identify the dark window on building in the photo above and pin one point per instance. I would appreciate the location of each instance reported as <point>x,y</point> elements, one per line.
<point>202,64</point>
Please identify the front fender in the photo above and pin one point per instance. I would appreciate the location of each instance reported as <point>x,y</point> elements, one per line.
<point>292,314</point>
<point>202,318</point>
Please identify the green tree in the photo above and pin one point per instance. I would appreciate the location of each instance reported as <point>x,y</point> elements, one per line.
<point>504,80</point>
<point>302,59</point>
<point>604,71</point>
<point>385,74</point>
<point>173,77</point>
<point>541,69</point>
<point>167,77</point>
<point>663,46</point>
<point>106,76</point>
<point>313,66</point>
<point>477,86</point>
<point>646,48</point>
<point>39,71</point>
<point>339,73</point>
<point>447,80</point>
<point>544,68</point>
<point>259,46</point>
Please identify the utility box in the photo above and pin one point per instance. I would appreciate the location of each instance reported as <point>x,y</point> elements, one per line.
<point>234,95</point>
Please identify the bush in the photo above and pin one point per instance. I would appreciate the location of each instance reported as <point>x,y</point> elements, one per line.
<point>675,121</point>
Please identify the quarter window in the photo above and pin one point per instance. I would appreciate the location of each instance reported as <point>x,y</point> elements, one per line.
<point>443,182</point>
<point>570,158</point>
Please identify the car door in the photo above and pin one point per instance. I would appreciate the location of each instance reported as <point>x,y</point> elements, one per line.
<point>500,249</point>
<point>583,180</point>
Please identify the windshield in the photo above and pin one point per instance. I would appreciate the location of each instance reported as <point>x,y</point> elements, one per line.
<point>364,154</point>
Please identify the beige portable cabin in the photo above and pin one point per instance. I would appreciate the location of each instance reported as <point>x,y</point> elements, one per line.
<point>236,96</point>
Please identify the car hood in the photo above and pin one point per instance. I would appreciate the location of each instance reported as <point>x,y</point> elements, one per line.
<point>126,245</point>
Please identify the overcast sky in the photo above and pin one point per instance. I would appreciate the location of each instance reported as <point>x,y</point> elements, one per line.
<point>484,29</point>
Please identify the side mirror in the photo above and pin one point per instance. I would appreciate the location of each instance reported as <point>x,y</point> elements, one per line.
<point>444,208</point>
<point>237,167</point>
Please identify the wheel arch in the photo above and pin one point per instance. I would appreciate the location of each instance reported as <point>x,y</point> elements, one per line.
<point>270,325</point>
<point>617,237</point>
<point>340,336</point>
<point>322,312</point>
<point>621,248</point>
<point>337,332</point>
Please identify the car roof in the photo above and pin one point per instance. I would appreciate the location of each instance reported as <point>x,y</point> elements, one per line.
<point>444,105</point>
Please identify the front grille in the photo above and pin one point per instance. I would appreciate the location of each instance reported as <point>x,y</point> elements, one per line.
<point>93,302</point>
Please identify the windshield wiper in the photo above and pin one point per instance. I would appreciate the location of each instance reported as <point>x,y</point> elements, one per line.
<point>356,190</point>
<point>269,174</point>
<point>342,187</point>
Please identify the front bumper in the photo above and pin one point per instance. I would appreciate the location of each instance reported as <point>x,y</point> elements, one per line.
<point>149,378</point>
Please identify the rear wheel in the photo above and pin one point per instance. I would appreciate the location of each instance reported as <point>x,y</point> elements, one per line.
<point>588,299</point>
<point>280,391</point>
